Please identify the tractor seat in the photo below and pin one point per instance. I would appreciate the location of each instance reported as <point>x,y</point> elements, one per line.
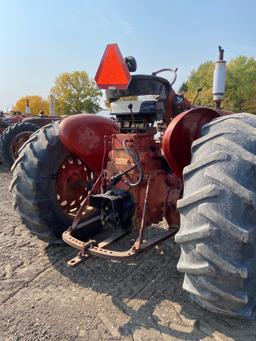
<point>142,85</point>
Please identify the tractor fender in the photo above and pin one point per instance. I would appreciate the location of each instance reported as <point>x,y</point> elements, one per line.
<point>180,134</point>
<point>83,135</point>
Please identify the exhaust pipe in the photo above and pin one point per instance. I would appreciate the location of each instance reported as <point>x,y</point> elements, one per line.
<point>219,78</point>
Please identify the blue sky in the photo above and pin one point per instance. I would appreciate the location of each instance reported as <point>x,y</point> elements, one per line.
<point>40,39</point>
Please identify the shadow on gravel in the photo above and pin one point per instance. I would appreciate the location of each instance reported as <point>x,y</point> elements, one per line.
<point>3,169</point>
<point>147,289</point>
<point>152,278</point>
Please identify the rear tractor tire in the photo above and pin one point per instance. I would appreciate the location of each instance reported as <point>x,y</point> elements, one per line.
<point>218,218</point>
<point>12,139</point>
<point>49,184</point>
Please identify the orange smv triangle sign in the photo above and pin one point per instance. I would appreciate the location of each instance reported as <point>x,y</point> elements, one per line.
<point>113,71</point>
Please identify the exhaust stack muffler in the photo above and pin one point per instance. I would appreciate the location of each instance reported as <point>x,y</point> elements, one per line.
<point>219,78</point>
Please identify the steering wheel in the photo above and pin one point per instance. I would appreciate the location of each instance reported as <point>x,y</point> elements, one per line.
<point>172,71</point>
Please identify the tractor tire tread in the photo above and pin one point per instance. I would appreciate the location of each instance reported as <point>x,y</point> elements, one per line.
<point>34,206</point>
<point>218,233</point>
<point>7,136</point>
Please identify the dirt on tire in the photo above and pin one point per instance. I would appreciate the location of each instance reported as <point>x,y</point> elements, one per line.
<point>140,299</point>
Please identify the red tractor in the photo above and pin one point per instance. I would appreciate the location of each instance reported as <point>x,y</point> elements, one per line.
<point>17,132</point>
<point>7,119</point>
<point>160,158</point>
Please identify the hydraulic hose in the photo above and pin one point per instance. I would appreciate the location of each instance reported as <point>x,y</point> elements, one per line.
<point>135,157</point>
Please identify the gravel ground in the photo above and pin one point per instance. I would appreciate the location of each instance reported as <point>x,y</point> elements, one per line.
<point>141,299</point>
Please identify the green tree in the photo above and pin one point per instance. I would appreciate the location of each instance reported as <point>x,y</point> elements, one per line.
<point>241,85</point>
<point>74,92</point>
<point>183,87</point>
<point>200,78</point>
<point>240,92</point>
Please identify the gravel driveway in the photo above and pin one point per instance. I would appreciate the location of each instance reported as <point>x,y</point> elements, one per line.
<point>140,299</point>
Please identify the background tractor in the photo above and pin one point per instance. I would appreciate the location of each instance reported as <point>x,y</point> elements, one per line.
<point>8,119</point>
<point>16,132</point>
<point>87,173</point>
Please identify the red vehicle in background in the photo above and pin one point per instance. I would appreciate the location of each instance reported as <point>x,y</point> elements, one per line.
<point>15,129</point>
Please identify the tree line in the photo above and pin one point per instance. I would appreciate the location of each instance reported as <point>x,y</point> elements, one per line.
<point>240,94</point>
<point>74,92</point>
